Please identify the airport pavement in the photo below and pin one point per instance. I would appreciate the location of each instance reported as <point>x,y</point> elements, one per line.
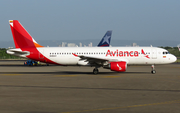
<point>58,89</point>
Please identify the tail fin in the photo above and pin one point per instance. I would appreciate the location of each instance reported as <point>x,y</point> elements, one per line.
<point>105,42</point>
<point>22,39</point>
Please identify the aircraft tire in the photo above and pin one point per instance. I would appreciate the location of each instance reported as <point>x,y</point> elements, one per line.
<point>153,71</point>
<point>95,71</point>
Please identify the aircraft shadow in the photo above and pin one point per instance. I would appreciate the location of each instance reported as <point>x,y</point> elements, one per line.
<point>87,88</point>
<point>103,73</point>
<point>75,72</point>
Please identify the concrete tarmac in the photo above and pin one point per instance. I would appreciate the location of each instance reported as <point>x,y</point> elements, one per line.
<point>58,89</point>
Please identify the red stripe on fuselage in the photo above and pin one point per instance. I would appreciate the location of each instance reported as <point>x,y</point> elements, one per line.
<point>35,55</point>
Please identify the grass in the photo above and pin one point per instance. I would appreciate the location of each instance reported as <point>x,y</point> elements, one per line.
<point>178,60</point>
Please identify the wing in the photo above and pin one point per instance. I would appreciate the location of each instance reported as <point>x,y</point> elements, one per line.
<point>96,60</point>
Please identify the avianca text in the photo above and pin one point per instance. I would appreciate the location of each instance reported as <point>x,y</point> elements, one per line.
<point>122,53</point>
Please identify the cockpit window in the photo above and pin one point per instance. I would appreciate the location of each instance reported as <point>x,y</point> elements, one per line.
<point>165,52</point>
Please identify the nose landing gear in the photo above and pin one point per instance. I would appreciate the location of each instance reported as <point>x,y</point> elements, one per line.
<point>153,69</point>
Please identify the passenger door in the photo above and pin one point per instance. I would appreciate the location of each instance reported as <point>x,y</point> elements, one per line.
<point>154,54</point>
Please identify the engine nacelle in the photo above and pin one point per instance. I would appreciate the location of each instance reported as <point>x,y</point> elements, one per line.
<point>118,66</point>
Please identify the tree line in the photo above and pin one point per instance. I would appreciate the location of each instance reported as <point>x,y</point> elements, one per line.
<point>4,55</point>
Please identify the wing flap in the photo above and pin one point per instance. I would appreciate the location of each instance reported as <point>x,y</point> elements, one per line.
<point>94,60</point>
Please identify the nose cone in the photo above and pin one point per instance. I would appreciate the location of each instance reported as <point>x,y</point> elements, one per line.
<point>173,58</point>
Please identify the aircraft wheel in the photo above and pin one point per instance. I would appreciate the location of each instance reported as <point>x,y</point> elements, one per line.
<point>95,71</point>
<point>153,71</point>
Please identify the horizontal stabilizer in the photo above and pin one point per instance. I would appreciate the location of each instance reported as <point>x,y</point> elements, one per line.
<point>18,52</point>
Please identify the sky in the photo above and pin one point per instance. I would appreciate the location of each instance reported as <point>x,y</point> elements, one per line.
<point>149,20</point>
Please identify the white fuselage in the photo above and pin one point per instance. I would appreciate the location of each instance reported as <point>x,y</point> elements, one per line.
<point>132,55</point>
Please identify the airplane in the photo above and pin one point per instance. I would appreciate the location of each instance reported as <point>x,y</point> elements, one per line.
<point>105,42</point>
<point>113,58</point>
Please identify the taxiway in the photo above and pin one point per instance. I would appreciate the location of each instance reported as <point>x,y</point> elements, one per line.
<point>59,89</point>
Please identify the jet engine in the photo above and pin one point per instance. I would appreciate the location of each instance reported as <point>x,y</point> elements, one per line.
<point>117,66</point>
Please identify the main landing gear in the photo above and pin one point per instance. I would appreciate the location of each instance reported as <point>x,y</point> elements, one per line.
<point>95,71</point>
<point>153,69</point>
